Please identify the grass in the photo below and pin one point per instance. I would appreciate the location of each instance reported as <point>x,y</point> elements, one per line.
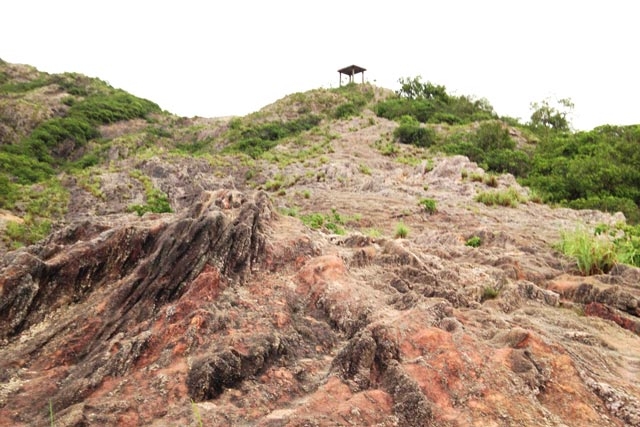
<point>157,200</point>
<point>509,198</point>
<point>429,205</point>
<point>489,292</point>
<point>332,222</point>
<point>401,231</point>
<point>52,420</point>
<point>196,414</point>
<point>364,169</point>
<point>593,253</point>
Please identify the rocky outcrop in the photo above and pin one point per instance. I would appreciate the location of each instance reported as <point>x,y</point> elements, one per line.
<point>229,313</point>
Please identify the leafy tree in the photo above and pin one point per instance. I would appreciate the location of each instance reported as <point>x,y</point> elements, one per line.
<point>547,117</point>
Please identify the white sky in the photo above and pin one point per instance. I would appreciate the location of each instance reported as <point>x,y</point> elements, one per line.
<point>219,58</point>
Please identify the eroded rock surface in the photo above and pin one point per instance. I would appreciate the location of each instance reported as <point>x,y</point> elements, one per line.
<point>232,314</point>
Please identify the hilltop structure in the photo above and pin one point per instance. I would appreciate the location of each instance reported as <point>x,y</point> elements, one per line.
<point>351,71</point>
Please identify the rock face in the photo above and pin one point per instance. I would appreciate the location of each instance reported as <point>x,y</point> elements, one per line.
<point>228,313</point>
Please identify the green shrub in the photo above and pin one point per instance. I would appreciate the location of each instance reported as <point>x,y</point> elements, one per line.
<point>401,231</point>
<point>157,200</point>
<point>113,107</point>
<point>8,192</point>
<point>429,205</point>
<point>489,292</point>
<point>593,254</point>
<point>474,241</point>
<point>255,139</point>
<point>626,239</point>
<point>364,169</point>
<point>609,204</point>
<point>22,166</point>
<point>346,110</point>
<point>26,233</point>
<point>411,132</point>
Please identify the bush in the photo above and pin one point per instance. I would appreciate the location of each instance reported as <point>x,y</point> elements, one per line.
<point>429,205</point>
<point>410,132</point>
<point>474,242</point>
<point>609,204</point>
<point>401,231</point>
<point>256,139</point>
<point>346,110</point>
<point>113,107</point>
<point>489,292</point>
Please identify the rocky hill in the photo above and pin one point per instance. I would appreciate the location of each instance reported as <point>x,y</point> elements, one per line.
<point>333,278</point>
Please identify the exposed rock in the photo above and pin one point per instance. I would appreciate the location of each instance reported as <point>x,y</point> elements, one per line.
<point>227,312</point>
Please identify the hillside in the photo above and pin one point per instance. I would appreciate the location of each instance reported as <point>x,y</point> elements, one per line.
<point>296,267</point>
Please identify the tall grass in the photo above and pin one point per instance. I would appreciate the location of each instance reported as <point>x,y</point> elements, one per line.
<point>593,254</point>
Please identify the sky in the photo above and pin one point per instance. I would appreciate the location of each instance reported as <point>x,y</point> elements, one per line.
<point>222,58</point>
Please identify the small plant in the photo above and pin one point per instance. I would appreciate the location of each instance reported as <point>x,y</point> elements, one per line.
<point>476,177</point>
<point>464,174</point>
<point>196,414</point>
<point>474,242</point>
<point>429,205</point>
<point>306,194</point>
<point>364,169</point>
<point>491,180</point>
<point>509,198</point>
<point>402,231</point>
<point>593,253</point>
<point>52,420</point>
<point>373,232</point>
<point>489,292</point>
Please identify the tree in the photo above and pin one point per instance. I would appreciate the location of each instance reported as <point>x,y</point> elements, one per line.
<point>413,88</point>
<point>547,117</point>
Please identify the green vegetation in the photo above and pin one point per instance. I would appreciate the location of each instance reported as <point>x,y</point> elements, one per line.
<point>332,222</point>
<point>40,204</point>
<point>410,132</point>
<point>491,147</point>
<point>489,292</point>
<point>157,200</point>
<point>429,205</point>
<point>356,98</point>
<point>593,253</point>
<point>254,139</point>
<point>509,198</point>
<point>599,169</point>
<point>474,241</point>
<point>401,231</point>
<point>429,103</point>
<point>364,169</point>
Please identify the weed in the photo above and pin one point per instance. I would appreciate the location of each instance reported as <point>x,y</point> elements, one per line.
<point>429,205</point>
<point>196,414</point>
<point>373,232</point>
<point>509,198</point>
<point>157,200</point>
<point>401,231</point>
<point>593,253</point>
<point>364,169</point>
<point>489,292</point>
<point>491,180</point>
<point>474,242</point>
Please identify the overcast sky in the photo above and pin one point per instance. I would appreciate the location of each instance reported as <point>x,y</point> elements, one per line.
<point>220,58</point>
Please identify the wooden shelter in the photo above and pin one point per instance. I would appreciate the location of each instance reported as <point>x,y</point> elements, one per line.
<point>351,71</point>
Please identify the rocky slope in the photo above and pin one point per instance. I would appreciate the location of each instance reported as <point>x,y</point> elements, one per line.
<point>229,312</point>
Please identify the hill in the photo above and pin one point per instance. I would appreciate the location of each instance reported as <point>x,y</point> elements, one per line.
<point>313,263</point>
